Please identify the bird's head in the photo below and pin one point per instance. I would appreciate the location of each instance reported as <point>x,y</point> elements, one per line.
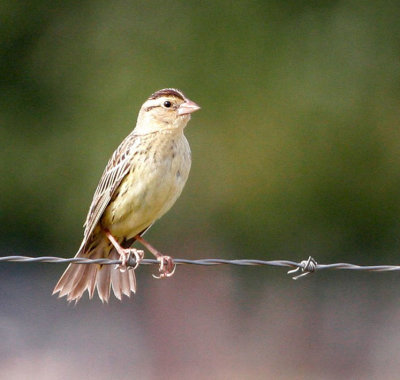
<point>165,109</point>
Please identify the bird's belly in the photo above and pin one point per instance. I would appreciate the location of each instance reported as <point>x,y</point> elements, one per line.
<point>145,195</point>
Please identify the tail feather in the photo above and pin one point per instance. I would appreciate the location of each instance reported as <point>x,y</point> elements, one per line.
<point>67,282</point>
<point>81,277</point>
<point>124,285</point>
<point>104,282</point>
<point>80,284</point>
<point>91,280</point>
<point>132,283</point>
<point>116,285</point>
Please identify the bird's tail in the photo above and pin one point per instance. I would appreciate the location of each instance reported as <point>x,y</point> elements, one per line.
<point>78,278</point>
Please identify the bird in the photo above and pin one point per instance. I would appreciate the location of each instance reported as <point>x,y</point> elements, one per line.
<point>142,180</point>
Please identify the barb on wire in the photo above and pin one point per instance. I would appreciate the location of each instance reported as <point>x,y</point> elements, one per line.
<point>306,266</point>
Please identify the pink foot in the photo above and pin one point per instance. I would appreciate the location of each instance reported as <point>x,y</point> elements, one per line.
<point>167,267</point>
<point>125,255</point>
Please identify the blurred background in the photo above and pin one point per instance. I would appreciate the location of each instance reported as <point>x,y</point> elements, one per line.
<point>296,152</point>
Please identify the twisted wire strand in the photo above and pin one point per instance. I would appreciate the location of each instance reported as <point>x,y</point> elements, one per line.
<point>304,267</point>
<point>132,261</point>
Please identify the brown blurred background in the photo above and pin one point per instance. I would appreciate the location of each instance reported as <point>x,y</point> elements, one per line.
<point>296,152</point>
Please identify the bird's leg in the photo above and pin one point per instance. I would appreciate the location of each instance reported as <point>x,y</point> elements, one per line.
<point>124,253</point>
<point>167,265</point>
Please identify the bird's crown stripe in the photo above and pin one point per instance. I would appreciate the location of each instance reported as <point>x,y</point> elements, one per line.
<point>168,92</point>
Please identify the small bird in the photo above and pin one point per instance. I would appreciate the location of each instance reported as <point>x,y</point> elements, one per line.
<point>142,180</point>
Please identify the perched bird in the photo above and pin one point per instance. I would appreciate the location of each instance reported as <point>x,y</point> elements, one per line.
<point>141,182</point>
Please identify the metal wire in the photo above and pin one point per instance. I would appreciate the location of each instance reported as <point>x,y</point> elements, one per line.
<point>305,267</point>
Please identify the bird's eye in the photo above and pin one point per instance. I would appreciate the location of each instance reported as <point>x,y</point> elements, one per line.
<point>167,104</point>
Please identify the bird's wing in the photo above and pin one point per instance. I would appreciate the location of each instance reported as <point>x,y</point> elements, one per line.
<point>115,171</point>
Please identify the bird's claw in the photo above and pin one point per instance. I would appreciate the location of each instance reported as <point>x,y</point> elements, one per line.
<point>167,267</point>
<point>139,255</point>
<point>126,256</point>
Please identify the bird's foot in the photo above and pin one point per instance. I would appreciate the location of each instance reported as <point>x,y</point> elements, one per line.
<point>125,255</point>
<point>167,267</point>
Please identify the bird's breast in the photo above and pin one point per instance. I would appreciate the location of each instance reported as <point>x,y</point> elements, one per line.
<point>156,179</point>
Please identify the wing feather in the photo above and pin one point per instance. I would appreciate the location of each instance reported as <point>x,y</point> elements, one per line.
<point>117,168</point>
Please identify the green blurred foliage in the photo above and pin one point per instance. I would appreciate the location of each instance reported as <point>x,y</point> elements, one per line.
<point>296,150</point>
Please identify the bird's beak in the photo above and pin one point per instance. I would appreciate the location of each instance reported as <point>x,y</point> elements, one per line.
<point>187,107</point>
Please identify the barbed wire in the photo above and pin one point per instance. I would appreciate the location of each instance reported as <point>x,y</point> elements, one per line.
<point>305,267</point>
